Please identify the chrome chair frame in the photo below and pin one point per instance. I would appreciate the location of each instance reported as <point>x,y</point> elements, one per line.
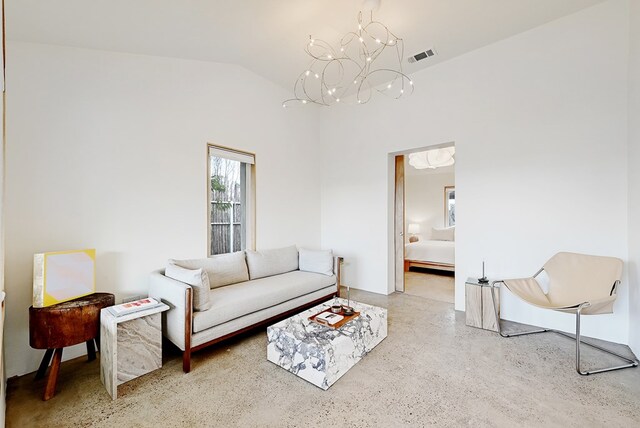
<point>630,362</point>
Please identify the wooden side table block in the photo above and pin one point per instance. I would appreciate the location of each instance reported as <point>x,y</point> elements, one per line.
<point>479,305</point>
<point>65,324</point>
<point>131,346</point>
<point>488,314</point>
<point>473,305</point>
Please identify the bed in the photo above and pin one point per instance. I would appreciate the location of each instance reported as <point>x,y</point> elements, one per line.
<point>430,254</point>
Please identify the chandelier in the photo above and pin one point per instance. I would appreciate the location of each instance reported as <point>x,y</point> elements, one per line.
<point>432,159</point>
<point>367,60</point>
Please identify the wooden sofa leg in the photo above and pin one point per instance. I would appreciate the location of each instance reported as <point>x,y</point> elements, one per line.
<point>186,361</point>
<point>406,266</point>
<point>186,355</point>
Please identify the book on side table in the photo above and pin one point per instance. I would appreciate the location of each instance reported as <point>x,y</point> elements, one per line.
<point>135,306</point>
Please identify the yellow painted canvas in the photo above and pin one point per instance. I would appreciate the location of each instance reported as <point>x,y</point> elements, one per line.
<point>60,276</point>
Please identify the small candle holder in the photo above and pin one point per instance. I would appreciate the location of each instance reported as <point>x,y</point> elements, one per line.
<point>347,309</point>
<point>484,279</point>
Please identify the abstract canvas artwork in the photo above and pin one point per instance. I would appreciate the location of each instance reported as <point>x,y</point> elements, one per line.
<point>63,275</point>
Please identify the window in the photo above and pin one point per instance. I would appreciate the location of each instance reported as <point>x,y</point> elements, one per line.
<point>231,200</point>
<point>449,206</point>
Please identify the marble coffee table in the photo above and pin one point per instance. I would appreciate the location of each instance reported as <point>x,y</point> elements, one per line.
<point>319,354</point>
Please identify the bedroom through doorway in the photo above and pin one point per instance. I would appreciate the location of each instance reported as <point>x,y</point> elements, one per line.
<point>425,223</point>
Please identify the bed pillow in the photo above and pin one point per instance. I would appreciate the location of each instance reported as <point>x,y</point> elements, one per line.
<point>446,234</point>
<point>272,262</point>
<point>317,261</point>
<point>197,279</point>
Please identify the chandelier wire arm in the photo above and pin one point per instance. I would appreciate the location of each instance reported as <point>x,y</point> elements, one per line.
<point>351,69</point>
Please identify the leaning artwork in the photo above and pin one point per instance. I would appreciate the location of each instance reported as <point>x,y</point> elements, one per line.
<point>63,275</point>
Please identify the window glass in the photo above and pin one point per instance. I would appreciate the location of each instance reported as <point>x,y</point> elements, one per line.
<point>450,206</point>
<point>230,203</point>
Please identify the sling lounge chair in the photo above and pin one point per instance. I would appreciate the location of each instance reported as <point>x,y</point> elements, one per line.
<point>578,284</point>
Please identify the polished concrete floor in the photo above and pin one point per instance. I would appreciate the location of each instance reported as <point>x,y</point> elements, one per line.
<point>431,370</point>
<point>430,284</point>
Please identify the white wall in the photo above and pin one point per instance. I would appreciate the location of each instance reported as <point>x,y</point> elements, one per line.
<point>539,124</point>
<point>634,177</point>
<point>424,198</point>
<point>108,151</point>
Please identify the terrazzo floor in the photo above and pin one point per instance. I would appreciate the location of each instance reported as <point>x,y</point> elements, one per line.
<point>430,370</point>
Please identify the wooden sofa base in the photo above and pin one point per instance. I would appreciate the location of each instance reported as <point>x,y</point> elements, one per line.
<point>186,355</point>
<point>429,265</point>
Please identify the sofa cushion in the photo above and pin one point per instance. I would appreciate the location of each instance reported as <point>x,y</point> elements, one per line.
<point>197,279</point>
<point>237,300</point>
<point>223,269</point>
<point>316,261</point>
<point>272,262</point>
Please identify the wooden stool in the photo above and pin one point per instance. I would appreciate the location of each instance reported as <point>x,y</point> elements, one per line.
<point>65,324</point>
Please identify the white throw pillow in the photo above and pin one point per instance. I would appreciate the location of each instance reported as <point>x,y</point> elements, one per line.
<point>272,262</point>
<point>318,261</point>
<point>197,279</point>
<point>446,234</point>
<point>223,269</point>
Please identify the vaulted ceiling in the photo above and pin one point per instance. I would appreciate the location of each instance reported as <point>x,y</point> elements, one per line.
<point>268,36</point>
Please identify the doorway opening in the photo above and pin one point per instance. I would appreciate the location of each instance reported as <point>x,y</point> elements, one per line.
<point>424,222</point>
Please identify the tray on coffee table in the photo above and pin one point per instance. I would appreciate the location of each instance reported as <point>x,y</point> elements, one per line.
<point>337,325</point>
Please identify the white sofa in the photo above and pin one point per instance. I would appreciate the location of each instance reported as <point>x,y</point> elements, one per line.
<point>244,290</point>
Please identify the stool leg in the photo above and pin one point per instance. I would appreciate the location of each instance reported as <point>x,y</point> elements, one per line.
<point>46,359</point>
<point>50,389</point>
<point>91,351</point>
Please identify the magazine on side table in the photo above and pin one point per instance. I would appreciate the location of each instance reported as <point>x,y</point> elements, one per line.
<point>135,306</point>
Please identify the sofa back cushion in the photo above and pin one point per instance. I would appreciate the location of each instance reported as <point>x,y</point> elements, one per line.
<point>317,261</point>
<point>223,269</point>
<point>198,279</point>
<point>272,262</point>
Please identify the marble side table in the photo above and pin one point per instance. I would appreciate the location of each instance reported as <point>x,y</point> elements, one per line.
<point>130,346</point>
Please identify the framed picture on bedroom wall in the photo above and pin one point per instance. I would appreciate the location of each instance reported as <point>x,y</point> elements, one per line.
<point>449,206</point>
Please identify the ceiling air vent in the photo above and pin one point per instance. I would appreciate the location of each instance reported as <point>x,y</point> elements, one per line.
<point>422,55</point>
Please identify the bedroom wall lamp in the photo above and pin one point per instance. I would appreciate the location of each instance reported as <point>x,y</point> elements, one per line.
<point>413,230</point>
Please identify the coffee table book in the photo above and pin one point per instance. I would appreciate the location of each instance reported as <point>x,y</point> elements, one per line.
<point>337,325</point>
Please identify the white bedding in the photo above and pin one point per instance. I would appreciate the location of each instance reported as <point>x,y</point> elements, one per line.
<point>431,251</point>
